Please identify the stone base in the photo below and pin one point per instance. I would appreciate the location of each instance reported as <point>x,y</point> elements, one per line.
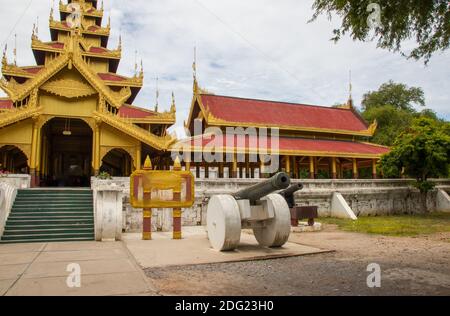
<point>304,228</point>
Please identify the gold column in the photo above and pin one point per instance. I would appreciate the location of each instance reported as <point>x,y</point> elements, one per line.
<point>374,168</point>
<point>33,160</point>
<point>355,168</point>
<point>138,157</point>
<point>311,168</point>
<point>235,166</point>
<point>334,168</point>
<point>288,165</point>
<point>97,149</point>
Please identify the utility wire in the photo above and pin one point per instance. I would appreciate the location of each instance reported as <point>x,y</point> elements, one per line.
<point>17,23</point>
<point>230,28</point>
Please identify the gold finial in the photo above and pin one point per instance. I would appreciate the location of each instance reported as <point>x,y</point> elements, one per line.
<point>194,69</point>
<point>109,22</point>
<point>15,49</point>
<point>33,33</point>
<point>4,59</point>
<point>102,6</point>
<point>173,108</point>
<point>148,164</point>
<point>177,164</point>
<point>120,43</point>
<point>350,97</point>
<point>141,73</point>
<point>135,63</point>
<point>157,94</point>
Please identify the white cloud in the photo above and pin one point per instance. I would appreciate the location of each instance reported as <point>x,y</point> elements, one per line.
<point>253,48</point>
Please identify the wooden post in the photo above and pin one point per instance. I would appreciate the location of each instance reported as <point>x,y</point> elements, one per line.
<point>221,173</point>
<point>147,214</point>
<point>311,168</point>
<point>177,211</point>
<point>288,165</point>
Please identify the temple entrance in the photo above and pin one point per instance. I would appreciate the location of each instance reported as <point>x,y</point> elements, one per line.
<point>13,160</point>
<point>117,163</point>
<point>66,159</point>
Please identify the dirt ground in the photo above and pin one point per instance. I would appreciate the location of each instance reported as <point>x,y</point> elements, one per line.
<point>409,266</point>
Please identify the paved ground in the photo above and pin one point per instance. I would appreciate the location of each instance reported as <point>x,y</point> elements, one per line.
<point>195,249</point>
<point>410,266</point>
<point>41,269</point>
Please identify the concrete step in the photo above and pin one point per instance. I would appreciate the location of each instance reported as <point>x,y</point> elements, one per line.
<point>50,236</point>
<point>33,227</point>
<point>51,221</point>
<point>44,240</point>
<point>47,232</point>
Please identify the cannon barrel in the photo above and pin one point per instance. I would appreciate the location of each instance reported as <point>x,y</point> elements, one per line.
<point>254,193</point>
<point>288,194</point>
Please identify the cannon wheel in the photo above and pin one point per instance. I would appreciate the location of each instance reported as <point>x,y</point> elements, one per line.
<point>223,222</point>
<point>277,230</point>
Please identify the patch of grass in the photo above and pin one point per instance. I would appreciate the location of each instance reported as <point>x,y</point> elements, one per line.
<point>401,225</point>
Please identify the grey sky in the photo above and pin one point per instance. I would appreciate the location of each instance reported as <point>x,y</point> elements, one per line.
<point>254,48</point>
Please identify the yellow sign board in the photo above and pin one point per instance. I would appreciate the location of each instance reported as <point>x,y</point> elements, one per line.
<point>162,189</point>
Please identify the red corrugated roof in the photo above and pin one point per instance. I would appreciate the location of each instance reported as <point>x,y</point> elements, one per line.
<point>291,144</point>
<point>6,104</point>
<point>272,113</point>
<point>57,45</point>
<point>111,77</point>
<point>134,112</point>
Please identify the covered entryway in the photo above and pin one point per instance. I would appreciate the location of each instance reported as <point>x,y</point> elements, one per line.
<point>117,163</point>
<point>66,159</point>
<point>13,160</point>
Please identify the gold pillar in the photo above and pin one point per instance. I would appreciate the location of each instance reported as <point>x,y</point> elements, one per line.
<point>333,168</point>
<point>288,165</point>
<point>355,168</point>
<point>262,168</point>
<point>221,173</point>
<point>374,168</point>
<point>97,149</point>
<point>138,157</point>
<point>311,168</point>
<point>33,160</point>
<point>235,166</point>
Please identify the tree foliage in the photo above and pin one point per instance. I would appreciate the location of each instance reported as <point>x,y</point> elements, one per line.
<point>397,95</point>
<point>421,152</point>
<point>425,21</point>
<point>393,106</point>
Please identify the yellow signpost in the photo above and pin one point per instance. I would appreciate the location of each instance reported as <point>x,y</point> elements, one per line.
<point>162,189</point>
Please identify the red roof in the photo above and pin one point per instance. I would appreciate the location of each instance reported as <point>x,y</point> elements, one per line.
<point>97,50</point>
<point>57,45</point>
<point>5,104</point>
<point>93,28</point>
<point>134,112</point>
<point>33,70</point>
<point>111,77</point>
<point>288,144</point>
<point>270,113</point>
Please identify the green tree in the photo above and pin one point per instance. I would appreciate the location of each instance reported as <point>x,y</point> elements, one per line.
<point>393,107</point>
<point>421,152</point>
<point>426,21</point>
<point>397,95</point>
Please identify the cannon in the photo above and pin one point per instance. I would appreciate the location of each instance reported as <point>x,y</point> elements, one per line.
<point>254,208</point>
<point>299,212</point>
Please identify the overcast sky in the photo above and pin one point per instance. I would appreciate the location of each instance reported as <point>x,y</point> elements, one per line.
<point>254,48</point>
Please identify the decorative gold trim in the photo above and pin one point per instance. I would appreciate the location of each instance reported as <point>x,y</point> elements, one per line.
<point>68,88</point>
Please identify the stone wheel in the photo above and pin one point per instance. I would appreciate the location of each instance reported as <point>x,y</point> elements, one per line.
<point>277,230</point>
<point>223,223</point>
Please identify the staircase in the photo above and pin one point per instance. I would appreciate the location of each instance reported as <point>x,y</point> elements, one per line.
<point>46,215</point>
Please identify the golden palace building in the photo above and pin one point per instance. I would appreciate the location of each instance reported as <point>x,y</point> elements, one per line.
<point>72,116</point>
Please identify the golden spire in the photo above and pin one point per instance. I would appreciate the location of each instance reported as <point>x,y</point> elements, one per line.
<point>51,11</point>
<point>350,97</point>
<point>4,59</point>
<point>102,7</point>
<point>173,108</point>
<point>157,94</point>
<point>135,63</point>
<point>141,73</point>
<point>194,69</point>
<point>15,49</point>
<point>120,43</point>
<point>109,22</point>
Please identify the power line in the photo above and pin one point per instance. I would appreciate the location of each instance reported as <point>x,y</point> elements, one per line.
<point>17,23</point>
<point>230,28</point>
